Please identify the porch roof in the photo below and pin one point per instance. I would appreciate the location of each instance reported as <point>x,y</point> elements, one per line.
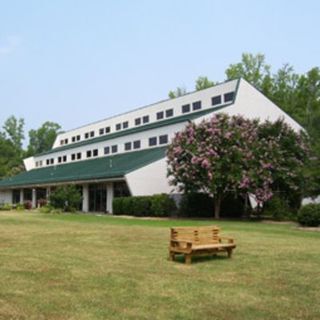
<point>115,166</point>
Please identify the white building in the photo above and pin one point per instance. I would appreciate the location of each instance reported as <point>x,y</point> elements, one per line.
<point>125,154</point>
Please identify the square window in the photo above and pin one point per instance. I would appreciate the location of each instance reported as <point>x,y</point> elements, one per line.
<point>216,100</point>
<point>163,139</point>
<point>92,134</point>
<point>125,125</point>
<point>118,126</point>
<point>101,131</point>
<point>114,149</point>
<point>196,105</point>
<point>145,119</point>
<point>106,150</point>
<point>137,121</point>
<point>136,144</point>
<point>107,129</point>
<point>228,96</point>
<point>86,136</point>
<point>59,159</point>
<point>160,115</point>
<point>127,146</point>
<point>153,141</point>
<point>64,158</point>
<point>169,113</point>
<point>95,152</point>
<point>78,155</point>
<point>185,108</point>
<point>73,157</point>
<point>78,137</point>
<point>89,154</point>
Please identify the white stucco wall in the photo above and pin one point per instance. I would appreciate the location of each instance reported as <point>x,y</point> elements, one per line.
<point>5,196</point>
<point>149,180</point>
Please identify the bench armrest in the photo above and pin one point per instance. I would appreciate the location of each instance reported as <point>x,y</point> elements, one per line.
<point>178,243</point>
<point>228,239</point>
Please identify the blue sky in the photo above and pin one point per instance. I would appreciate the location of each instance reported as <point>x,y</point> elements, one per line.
<point>76,61</point>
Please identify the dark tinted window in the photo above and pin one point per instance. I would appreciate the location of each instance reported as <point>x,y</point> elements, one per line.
<point>59,159</point>
<point>196,105</point>
<point>52,161</point>
<point>106,150</point>
<point>92,134</point>
<point>118,126</point>
<point>137,121</point>
<point>216,100</point>
<point>86,135</point>
<point>153,141</point>
<point>78,138</point>
<point>101,131</point>
<point>169,113</point>
<point>89,154</point>
<point>136,144</point>
<point>127,146</point>
<point>228,96</point>
<point>95,152</point>
<point>114,149</point>
<point>61,142</point>
<point>73,156</point>
<point>185,108</point>
<point>160,115</point>
<point>79,155</point>
<point>163,139</point>
<point>125,125</point>
<point>73,139</point>
<point>66,141</point>
<point>107,129</point>
<point>145,119</point>
<point>48,162</point>
<point>64,158</point>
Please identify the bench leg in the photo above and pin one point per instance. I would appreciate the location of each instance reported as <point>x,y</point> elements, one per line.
<point>229,252</point>
<point>171,256</point>
<point>188,258</point>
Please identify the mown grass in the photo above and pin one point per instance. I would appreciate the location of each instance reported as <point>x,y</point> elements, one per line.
<point>97,267</point>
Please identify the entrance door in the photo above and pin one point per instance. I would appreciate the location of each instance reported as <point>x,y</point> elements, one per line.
<point>98,197</point>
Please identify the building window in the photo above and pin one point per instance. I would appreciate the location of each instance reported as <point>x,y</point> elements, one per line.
<point>160,115</point>
<point>40,163</point>
<point>216,100</point>
<point>196,105</point>
<point>64,158</point>
<point>89,153</point>
<point>118,126</point>
<point>73,139</point>
<point>145,119</point>
<point>153,141</point>
<point>59,159</point>
<point>114,149</point>
<point>95,152</point>
<point>185,108</point>
<point>125,125</point>
<point>163,139</point>
<point>92,134</point>
<point>127,146</point>
<point>101,131</point>
<point>78,137</point>
<point>169,113</point>
<point>136,144</point>
<point>107,129</point>
<point>48,162</point>
<point>66,141</point>
<point>61,142</point>
<point>106,150</point>
<point>86,135</point>
<point>73,157</point>
<point>228,96</point>
<point>137,121</point>
<point>52,161</point>
<point>78,155</point>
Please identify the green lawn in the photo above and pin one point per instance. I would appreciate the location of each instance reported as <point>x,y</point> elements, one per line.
<point>97,267</point>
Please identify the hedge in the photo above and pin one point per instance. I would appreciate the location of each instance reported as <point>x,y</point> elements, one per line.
<point>159,205</point>
<point>309,215</point>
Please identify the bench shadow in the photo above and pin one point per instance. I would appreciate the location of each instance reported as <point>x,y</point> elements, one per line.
<point>200,259</point>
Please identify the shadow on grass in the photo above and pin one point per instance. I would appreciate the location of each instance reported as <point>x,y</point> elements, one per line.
<point>200,259</point>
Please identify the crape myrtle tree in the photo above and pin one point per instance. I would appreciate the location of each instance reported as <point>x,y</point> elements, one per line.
<point>228,154</point>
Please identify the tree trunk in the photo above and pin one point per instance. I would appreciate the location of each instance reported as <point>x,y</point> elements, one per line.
<point>217,205</point>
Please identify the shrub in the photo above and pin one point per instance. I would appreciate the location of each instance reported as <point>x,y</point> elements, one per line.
<point>27,205</point>
<point>157,205</point>
<point>66,198</point>
<point>47,209</point>
<point>6,207</point>
<point>309,215</point>
<point>20,207</point>
<point>278,209</point>
<point>42,202</point>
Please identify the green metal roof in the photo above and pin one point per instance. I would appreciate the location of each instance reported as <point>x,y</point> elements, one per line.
<point>142,128</point>
<point>115,166</point>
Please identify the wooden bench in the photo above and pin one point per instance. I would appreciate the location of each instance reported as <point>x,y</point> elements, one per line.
<point>191,241</point>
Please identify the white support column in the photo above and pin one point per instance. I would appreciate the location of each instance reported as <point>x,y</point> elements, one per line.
<point>85,198</point>
<point>48,191</point>
<point>109,197</point>
<point>21,196</point>
<point>34,198</point>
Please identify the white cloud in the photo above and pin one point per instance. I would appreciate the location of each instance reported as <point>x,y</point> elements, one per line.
<point>10,45</point>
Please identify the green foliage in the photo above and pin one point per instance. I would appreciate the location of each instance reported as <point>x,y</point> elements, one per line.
<point>14,131</point>
<point>277,209</point>
<point>157,205</point>
<point>203,83</point>
<point>309,215</point>
<point>48,209</point>
<point>20,207</point>
<point>66,198</point>
<point>6,207</point>
<point>180,91</point>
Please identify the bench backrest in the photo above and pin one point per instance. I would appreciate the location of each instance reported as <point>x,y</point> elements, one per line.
<point>199,235</point>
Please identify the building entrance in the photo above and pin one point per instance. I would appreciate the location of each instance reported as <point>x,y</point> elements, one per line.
<point>98,197</point>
